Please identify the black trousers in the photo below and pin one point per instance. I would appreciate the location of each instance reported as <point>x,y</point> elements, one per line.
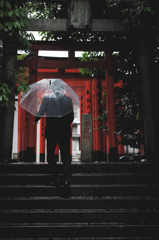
<point>63,140</point>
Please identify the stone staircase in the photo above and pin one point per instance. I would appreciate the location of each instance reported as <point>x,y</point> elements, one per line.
<point>108,201</point>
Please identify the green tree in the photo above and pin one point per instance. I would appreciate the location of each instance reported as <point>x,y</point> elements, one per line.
<point>143,19</point>
<point>129,118</point>
<point>13,36</point>
<point>139,15</point>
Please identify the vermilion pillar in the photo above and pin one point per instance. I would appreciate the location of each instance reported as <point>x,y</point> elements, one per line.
<point>42,139</point>
<point>121,148</point>
<point>104,133</point>
<point>81,109</point>
<point>94,121</point>
<point>22,132</point>
<point>19,130</point>
<point>88,98</point>
<point>31,138</point>
<point>98,112</point>
<point>57,152</point>
<point>110,99</point>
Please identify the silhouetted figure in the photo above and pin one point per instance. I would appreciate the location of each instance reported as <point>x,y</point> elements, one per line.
<point>58,130</point>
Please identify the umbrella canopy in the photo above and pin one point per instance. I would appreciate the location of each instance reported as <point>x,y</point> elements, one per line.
<point>49,98</point>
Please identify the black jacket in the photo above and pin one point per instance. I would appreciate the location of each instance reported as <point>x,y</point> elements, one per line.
<point>56,125</point>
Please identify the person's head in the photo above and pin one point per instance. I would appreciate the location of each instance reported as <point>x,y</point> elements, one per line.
<point>58,86</point>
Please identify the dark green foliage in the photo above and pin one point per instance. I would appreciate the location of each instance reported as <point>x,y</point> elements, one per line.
<point>92,56</point>
<point>141,14</point>
<point>13,23</point>
<point>129,118</point>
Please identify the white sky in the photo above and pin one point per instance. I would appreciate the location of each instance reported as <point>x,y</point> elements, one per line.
<point>53,53</point>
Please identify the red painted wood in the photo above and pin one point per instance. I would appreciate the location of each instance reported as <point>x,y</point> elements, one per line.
<point>110,98</point>
<point>19,125</point>
<point>99,143</point>
<point>80,46</point>
<point>88,97</point>
<point>93,114</point>
<point>42,135</point>
<point>31,138</point>
<point>43,63</point>
<point>103,109</point>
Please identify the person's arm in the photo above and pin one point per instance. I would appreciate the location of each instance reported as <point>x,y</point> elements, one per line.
<point>71,114</point>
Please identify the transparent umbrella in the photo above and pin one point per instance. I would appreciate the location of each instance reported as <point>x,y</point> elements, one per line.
<point>49,98</point>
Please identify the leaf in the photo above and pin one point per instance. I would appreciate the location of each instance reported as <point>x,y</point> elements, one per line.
<point>8,5</point>
<point>10,13</point>
<point>4,91</point>
<point>1,14</point>
<point>16,76</point>
<point>22,23</point>
<point>1,3</point>
<point>0,98</point>
<point>23,14</point>
<point>5,98</point>
<point>1,26</point>
<point>16,24</point>
<point>8,90</point>
<point>5,85</point>
<point>17,13</point>
<point>9,25</point>
<point>25,21</point>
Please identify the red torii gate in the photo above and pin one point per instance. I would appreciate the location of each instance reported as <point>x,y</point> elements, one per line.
<point>36,65</point>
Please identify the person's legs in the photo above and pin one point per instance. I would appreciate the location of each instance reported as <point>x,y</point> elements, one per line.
<point>64,144</point>
<point>51,145</point>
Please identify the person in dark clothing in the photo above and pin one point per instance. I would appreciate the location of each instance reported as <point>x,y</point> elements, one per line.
<point>58,130</point>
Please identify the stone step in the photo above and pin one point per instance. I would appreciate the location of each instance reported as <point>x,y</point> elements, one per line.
<point>78,230</point>
<point>81,216</point>
<point>79,178</point>
<point>80,190</point>
<point>97,238</point>
<point>107,203</point>
<point>103,167</point>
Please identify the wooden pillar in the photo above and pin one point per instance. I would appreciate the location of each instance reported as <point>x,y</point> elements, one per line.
<point>88,94</point>
<point>148,91</point>
<point>57,153</point>
<point>94,121</point>
<point>98,112</point>
<point>104,133</point>
<point>9,65</point>
<point>81,111</point>
<point>121,148</point>
<point>110,99</point>
<point>42,139</point>
<point>31,139</point>
<point>88,100</point>
<point>81,102</point>
<point>19,142</point>
<point>84,100</point>
<point>22,131</point>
